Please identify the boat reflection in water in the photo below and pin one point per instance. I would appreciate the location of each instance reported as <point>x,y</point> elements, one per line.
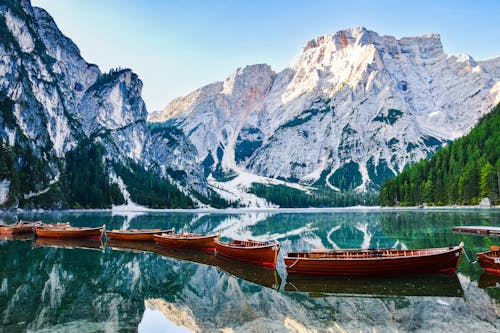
<point>17,237</point>
<point>130,246</point>
<point>70,243</point>
<point>489,280</point>
<point>261,275</point>
<point>444,285</point>
<point>196,256</point>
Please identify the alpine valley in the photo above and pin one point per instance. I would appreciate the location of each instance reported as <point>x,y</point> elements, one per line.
<point>352,111</point>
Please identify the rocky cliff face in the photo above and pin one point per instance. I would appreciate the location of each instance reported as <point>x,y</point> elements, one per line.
<point>51,100</point>
<point>354,109</point>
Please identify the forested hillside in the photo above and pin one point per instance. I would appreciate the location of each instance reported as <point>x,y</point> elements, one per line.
<point>462,173</point>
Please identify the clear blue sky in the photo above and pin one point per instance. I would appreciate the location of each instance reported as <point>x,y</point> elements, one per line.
<point>177,46</point>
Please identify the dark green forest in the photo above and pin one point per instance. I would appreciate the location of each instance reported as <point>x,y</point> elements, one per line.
<point>462,173</point>
<point>84,182</point>
<point>288,197</point>
<point>149,189</point>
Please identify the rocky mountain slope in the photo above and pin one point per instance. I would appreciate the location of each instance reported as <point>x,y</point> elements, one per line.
<point>354,109</point>
<point>53,102</point>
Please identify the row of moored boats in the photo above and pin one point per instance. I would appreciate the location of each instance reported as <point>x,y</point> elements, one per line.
<point>353,262</point>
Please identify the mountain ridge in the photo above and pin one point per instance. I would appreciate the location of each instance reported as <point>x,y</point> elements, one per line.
<point>54,103</point>
<point>353,110</point>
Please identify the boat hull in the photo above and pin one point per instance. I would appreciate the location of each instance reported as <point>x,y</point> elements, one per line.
<point>490,261</point>
<point>145,236</point>
<point>205,243</point>
<point>18,228</point>
<point>262,255</point>
<point>95,233</point>
<point>13,230</point>
<point>445,262</point>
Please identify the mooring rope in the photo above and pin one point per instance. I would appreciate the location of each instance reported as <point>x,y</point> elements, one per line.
<point>296,261</point>
<point>468,259</point>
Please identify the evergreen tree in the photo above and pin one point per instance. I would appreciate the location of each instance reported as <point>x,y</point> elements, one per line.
<point>462,173</point>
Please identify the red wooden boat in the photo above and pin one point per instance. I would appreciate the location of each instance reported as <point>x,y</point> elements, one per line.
<point>490,261</point>
<point>186,240</point>
<point>70,232</point>
<point>375,262</point>
<point>255,252</point>
<point>136,234</point>
<point>20,227</point>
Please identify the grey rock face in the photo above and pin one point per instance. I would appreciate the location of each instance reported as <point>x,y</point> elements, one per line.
<point>354,109</point>
<point>52,99</point>
<point>485,203</point>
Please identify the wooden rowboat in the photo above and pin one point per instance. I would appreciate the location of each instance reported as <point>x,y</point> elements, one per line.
<point>255,252</point>
<point>186,240</point>
<point>70,232</point>
<point>375,262</point>
<point>20,227</point>
<point>490,261</point>
<point>136,234</point>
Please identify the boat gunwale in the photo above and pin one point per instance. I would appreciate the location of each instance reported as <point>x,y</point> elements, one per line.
<point>69,228</point>
<point>226,244</point>
<point>372,258</point>
<point>485,253</point>
<point>140,232</point>
<point>173,236</point>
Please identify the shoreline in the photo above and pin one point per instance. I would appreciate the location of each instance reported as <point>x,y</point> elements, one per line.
<point>144,210</point>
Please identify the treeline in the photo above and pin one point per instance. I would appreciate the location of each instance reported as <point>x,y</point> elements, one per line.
<point>462,173</point>
<point>149,189</point>
<point>288,197</point>
<point>84,181</point>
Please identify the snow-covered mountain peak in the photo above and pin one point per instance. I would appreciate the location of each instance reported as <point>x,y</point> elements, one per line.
<point>248,83</point>
<point>361,36</point>
<point>353,109</point>
<point>254,80</point>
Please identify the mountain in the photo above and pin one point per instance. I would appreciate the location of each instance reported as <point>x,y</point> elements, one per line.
<point>72,136</point>
<point>464,172</point>
<point>352,111</point>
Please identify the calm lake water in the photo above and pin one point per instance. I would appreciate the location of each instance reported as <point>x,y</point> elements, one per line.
<point>60,286</point>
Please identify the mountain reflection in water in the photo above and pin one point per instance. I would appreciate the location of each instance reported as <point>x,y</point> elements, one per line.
<point>56,285</point>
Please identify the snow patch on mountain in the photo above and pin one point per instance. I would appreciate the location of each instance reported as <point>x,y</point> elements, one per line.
<point>4,190</point>
<point>20,31</point>
<point>354,109</point>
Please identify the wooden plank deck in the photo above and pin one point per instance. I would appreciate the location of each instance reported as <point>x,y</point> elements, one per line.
<point>479,230</point>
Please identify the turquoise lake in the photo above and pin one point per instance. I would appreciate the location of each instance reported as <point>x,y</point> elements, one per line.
<point>89,286</point>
